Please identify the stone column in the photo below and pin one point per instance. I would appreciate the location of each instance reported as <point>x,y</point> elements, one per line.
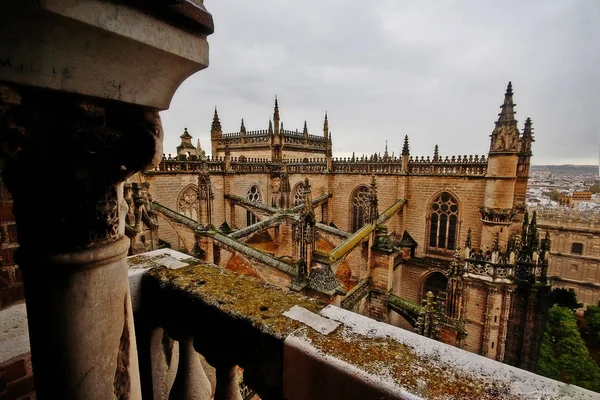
<point>66,157</point>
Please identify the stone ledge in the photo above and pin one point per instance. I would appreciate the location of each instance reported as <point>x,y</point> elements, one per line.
<point>240,320</point>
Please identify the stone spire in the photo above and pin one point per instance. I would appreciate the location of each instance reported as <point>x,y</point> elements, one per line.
<point>305,130</point>
<point>276,111</point>
<point>242,127</point>
<point>436,153</point>
<point>527,137</point>
<point>385,153</point>
<point>325,126</point>
<point>216,123</point>
<point>405,151</point>
<point>270,127</point>
<point>505,137</point>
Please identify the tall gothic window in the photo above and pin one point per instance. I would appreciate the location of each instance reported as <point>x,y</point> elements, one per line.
<point>188,202</point>
<point>298,194</point>
<point>253,195</point>
<point>443,222</point>
<point>360,206</point>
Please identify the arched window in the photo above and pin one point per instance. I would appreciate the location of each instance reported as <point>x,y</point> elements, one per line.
<point>436,282</point>
<point>577,248</point>
<point>188,202</point>
<point>360,206</point>
<point>443,222</point>
<point>253,195</point>
<point>298,194</point>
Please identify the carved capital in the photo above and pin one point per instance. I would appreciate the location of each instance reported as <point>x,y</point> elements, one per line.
<point>65,158</point>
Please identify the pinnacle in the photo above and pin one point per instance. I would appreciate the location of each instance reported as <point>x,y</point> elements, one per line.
<point>509,91</point>
<point>405,151</point>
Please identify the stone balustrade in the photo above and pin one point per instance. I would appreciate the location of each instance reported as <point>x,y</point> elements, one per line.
<point>293,347</point>
<point>504,272</point>
<point>455,166</point>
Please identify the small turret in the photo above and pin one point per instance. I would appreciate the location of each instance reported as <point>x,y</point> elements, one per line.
<point>305,130</point>
<point>436,153</point>
<point>186,147</point>
<point>325,126</point>
<point>270,127</point>
<point>386,155</point>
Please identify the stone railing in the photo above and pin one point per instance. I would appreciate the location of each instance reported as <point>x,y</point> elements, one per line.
<point>494,272</point>
<point>306,165</point>
<point>188,166</point>
<point>461,166</point>
<point>293,347</point>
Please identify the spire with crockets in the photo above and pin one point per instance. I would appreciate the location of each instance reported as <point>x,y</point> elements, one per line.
<point>505,137</point>
<point>215,128</point>
<point>527,137</point>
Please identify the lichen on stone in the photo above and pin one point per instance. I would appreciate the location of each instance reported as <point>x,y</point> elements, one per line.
<point>240,296</point>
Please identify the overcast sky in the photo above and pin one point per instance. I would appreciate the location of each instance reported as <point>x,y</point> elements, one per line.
<point>433,70</point>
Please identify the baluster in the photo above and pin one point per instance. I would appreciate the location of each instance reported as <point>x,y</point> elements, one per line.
<point>228,386</point>
<point>191,383</point>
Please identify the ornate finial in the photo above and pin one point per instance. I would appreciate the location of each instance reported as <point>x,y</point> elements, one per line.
<point>270,126</point>
<point>325,126</point>
<point>242,127</point>
<point>436,153</point>
<point>305,130</point>
<point>509,91</point>
<point>385,153</point>
<point>405,151</point>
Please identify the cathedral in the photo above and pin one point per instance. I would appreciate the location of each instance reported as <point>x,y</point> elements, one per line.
<point>440,245</point>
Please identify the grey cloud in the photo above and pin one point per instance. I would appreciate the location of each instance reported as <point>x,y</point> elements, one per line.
<point>433,70</point>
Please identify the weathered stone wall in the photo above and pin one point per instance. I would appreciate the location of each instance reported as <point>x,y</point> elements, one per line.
<point>422,190</point>
<point>574,271</point>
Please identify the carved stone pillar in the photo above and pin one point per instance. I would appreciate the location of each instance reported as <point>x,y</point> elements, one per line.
<point>66,158</point>
<point>79,101</point>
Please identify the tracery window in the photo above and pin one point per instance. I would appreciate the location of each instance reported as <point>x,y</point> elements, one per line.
<point>253,195</point>
<point>443,222</point>
<point>360,206</point>
<point>188,202</point>
<point>298,194</point>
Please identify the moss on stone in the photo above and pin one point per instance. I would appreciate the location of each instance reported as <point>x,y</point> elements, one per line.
<point>419,375</point>
<point>240,296</point>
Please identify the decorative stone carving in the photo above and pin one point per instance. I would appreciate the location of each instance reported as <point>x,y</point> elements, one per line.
<point>68,157</point>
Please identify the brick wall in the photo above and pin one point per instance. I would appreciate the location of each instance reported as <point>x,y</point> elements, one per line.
<point>11,282</point>
<point>16,378</point>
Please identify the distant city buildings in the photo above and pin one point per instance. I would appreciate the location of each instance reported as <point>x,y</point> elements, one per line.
<point>570,212</point>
